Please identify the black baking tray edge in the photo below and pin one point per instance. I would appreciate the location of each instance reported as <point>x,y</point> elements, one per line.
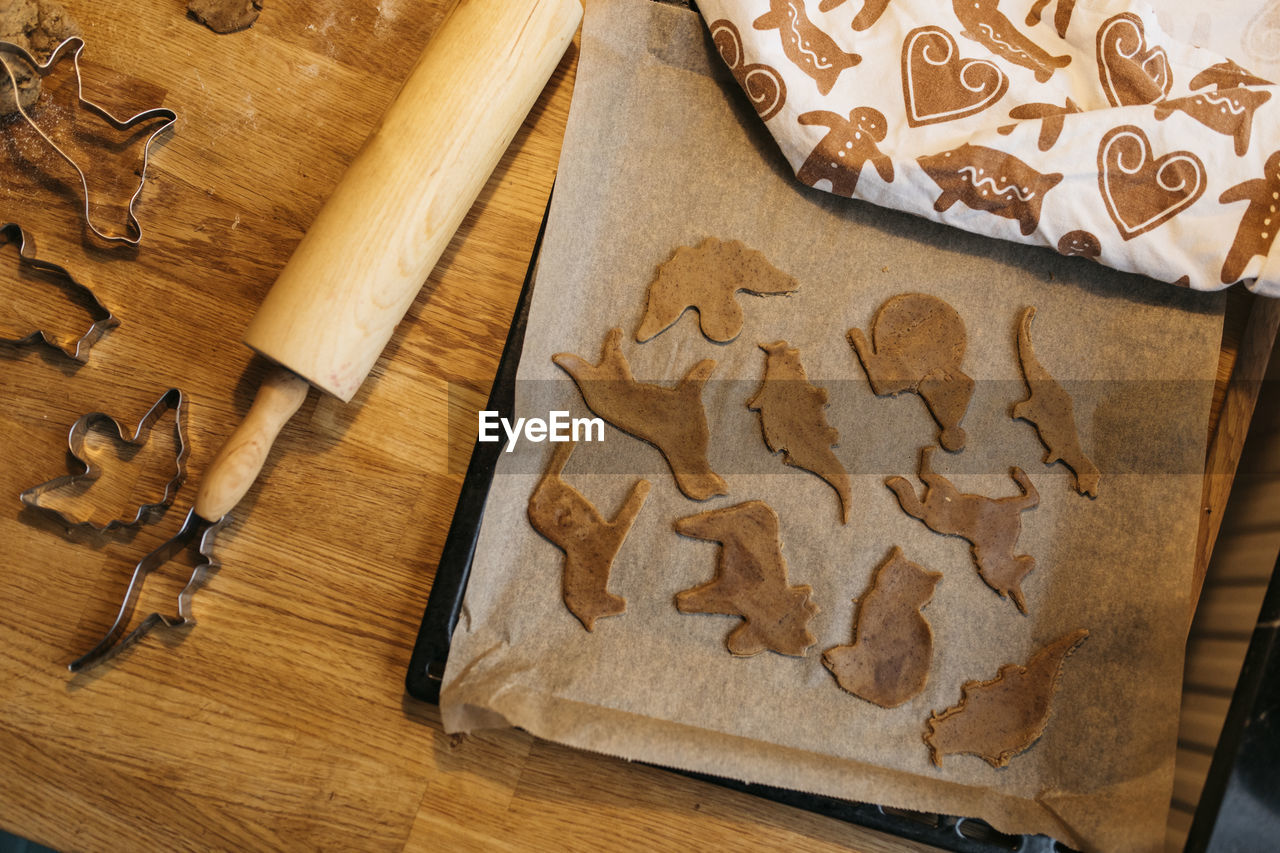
<point>431,650</point>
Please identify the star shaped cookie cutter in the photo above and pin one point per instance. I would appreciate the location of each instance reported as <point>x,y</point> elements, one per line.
<point>172,399</point>
<point>103,319</point>
<point>74,46</point>
<point>195,530</point>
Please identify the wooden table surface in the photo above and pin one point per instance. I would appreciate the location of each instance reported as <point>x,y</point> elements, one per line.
<point>280,721</point>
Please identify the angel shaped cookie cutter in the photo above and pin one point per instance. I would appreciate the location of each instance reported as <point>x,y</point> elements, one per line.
<point>172,399</point>
<point>74,46</point>
<point>103,319</point>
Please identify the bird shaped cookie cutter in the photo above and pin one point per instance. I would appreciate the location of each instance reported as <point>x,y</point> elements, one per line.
<point>103,319</point>
<point>73,47</point>
<point>99,421</point>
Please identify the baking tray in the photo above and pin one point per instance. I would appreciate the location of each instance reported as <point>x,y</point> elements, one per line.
<point>431,650</point>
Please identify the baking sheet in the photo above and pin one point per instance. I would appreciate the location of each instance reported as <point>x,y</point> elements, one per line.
<point>661,151</point>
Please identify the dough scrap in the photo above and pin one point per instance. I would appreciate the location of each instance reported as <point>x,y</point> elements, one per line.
<point>706,278</point>
<point>750,581</point>
<point>36,26</point>
<point>991,525</point>
<point>671,419</point>
<point>225,16</point>
<point>998,719</point>
<point>1048,408</point>
<point>793,422</point>
<point>888,662</point>
<point>572,523</point>
<point>918,342</point>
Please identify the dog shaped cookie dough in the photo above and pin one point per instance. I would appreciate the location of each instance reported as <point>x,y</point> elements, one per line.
<point>991,525</point>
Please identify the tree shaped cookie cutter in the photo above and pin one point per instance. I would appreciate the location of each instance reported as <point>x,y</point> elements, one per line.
<point>74,46</point>
<point>103,319</point>
<point>194,530</point>
<point>172,399</point>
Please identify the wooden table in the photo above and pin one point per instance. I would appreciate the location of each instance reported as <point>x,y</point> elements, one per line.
<point>280,721</point>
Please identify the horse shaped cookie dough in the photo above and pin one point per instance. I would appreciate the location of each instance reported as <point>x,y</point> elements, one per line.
<point>572,523</point>
<point>751,581</point>
<point>991,525</point>
<point>918,342</point>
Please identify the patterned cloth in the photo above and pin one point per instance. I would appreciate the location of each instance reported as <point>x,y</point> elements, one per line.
<point>1082,127</point>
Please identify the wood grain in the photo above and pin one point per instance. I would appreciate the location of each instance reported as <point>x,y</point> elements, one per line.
<point>279,720</point>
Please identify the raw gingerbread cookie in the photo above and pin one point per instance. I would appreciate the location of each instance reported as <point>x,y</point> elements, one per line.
<point>1049,410</point>
<point>225,16</point>
<point>36,26</point>
<point>1257,229</point>
<point>918,342</point>
<point>985,24</point>
<point>1227,111</point>
<point>671,419</point>
<point>839,156</point>
<point>706,278</point>
<point>1130,72</point>
<point>1061,15</point>
<point>750,581</point>
<point>792,419</point>
<point>998,719</point>
<point>805,44</point>
<point>560,512</point>
<point>888,662</point>
<point>991,525</point>
<point>991,180</point>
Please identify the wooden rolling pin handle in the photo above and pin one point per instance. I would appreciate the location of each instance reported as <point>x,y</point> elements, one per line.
<point>237,464</point>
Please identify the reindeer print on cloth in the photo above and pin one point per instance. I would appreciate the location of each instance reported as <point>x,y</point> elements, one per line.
<point>1045,120</point>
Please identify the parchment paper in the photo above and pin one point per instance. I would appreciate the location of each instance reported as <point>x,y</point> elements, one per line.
<point>662,150</point>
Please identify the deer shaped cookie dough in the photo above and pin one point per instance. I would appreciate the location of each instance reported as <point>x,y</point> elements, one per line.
<point>917,344</point>
<point>792,419</point>
<point>991,525</point>
<point>1050,411</point>
<point>671,419</point>
<point>750,581</point>
<point>707,278</point>
<point>572,523</point>
<point>888,662</point>
<point>998,719</point>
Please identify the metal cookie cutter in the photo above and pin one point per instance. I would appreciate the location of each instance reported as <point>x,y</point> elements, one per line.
<point>194,530</point>
<point>172,399</point>
<point>102,318</point>
<point>74,46</point>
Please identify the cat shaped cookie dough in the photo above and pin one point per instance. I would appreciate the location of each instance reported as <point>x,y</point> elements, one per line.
<point>888,661</point>
<point>991,180</point>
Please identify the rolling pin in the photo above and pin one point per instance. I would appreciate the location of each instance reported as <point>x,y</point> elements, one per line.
<point>357,271</point>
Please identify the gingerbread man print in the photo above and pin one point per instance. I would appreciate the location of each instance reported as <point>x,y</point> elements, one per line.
<point>805,44</point>
<point>839,156</point>
<point>1257,229</point>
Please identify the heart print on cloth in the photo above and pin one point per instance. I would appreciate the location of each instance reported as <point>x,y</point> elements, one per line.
<point>937,85</point>
<point>1142,191</point>
<point>1017,109</point>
